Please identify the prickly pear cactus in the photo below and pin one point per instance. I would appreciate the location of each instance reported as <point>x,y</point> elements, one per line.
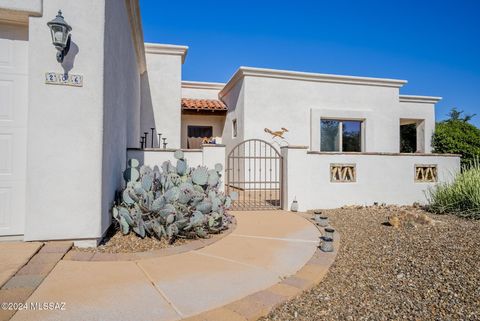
<point>172,201</point>
<point>200,175</point>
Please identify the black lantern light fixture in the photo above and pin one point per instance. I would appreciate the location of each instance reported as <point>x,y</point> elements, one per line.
<point>60,31</point>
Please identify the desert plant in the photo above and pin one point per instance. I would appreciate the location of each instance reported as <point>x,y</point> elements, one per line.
<point>461,196</point>
<point>172,201</point>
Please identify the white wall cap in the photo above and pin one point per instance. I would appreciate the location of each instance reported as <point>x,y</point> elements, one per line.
<point>30,7</point>
<point>419,99</point>
<point>164,49</point>
<point>202,85</point>
<point>308,76</point>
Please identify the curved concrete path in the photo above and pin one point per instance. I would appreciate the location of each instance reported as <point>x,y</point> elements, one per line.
<point>265,248</point>
<point>14,255</point>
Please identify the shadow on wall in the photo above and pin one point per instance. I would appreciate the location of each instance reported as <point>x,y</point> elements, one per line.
<point>140,156</point>
<point>69,59</point>
<point>147,117</point>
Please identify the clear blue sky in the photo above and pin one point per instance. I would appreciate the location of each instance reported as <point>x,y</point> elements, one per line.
<point>435,45</point>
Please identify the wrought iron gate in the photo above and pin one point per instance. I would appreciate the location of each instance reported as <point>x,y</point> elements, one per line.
<point>254,171</point>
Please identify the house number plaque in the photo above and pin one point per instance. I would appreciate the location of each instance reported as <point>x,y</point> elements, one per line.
<point>56,78</point>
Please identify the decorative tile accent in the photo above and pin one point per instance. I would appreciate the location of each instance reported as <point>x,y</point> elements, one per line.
<point>55,78</point>
<point>343,173</point>
<point>426,173</point>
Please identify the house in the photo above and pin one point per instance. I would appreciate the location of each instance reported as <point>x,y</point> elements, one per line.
<point>67,128</point>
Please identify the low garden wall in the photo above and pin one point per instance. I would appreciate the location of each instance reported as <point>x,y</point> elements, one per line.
<point>208,155</point>
<point>332,180</point>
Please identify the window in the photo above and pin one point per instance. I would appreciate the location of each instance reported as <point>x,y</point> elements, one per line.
<point>234,128</point>
<point>408,138</point>
<point>200,131</point>
<point>340,135</point>
<point>412,135</point>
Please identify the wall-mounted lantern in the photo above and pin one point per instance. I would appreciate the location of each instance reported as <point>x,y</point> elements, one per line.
<point>60,31</point>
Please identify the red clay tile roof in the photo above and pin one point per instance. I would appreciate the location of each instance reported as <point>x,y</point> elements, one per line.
<point>203,104</point>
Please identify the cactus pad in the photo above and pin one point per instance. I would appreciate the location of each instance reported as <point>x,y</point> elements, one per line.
<point>178,154</point>
<point>218,167</point>
<point>200,175</point>
<point>133,162</point>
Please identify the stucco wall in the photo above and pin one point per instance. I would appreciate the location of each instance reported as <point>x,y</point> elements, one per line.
<point>217,123</point>
<point>298,101</point>
<point>121,118</point>
<point>420,111</point>
<point>200,90</point>
<point>299,105</point>
<point>208,156</point>
<point>380,178</point>
<point>33,7</point>
<point>156,157</point>
<point>161,94</point>
<point>235,102</point>
<point>65,126</point>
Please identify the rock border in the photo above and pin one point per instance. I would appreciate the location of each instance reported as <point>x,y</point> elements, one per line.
<point>261,303</point>
<point>192,245</point>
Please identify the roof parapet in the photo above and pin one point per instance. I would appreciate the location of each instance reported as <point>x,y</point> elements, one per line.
<point>307,76</point>
<point>202,85</point>
<point>419,99</point>
<point>164,49</point>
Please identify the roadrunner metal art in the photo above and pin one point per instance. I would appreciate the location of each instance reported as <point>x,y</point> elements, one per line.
<point>278,133</point>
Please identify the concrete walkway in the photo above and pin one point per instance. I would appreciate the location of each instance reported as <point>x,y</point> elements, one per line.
<point>265,248</point>
<point>14,255</point>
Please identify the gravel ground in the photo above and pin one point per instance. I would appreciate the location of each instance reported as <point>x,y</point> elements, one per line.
<point>116,242</point>
<point>384,273</point>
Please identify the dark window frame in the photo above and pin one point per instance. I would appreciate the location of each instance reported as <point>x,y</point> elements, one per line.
<point>340,148</point>
<point>195,131</point>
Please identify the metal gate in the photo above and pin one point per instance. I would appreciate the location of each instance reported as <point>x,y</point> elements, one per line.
<point>254,171</point>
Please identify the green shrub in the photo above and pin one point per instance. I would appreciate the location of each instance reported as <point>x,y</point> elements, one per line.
<point>460,197</point>
<point>457,136</point>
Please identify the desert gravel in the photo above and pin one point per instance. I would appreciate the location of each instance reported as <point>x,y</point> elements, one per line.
<point>116,242</point>
<point>384,273</point>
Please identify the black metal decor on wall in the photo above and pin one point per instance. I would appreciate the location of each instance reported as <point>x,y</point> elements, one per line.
<point>254,170</point>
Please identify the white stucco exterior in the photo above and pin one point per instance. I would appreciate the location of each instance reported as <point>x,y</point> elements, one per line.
<point>380,177</point>
<point>76,136</point>
<point>63,148</point>
<point>64,125</point>
<point>208,155</point>
<point>201,90</point>
<point>298,101</point>
<point>161,103</point>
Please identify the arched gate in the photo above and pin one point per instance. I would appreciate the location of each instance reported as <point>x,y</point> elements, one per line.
<point>254,171</point>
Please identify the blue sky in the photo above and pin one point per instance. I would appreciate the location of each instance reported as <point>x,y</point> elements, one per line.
<point>435,45</point>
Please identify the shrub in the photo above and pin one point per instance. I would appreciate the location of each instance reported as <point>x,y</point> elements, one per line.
<point>460,197</point>
<point>172,201</point>
<point>457,136</point>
